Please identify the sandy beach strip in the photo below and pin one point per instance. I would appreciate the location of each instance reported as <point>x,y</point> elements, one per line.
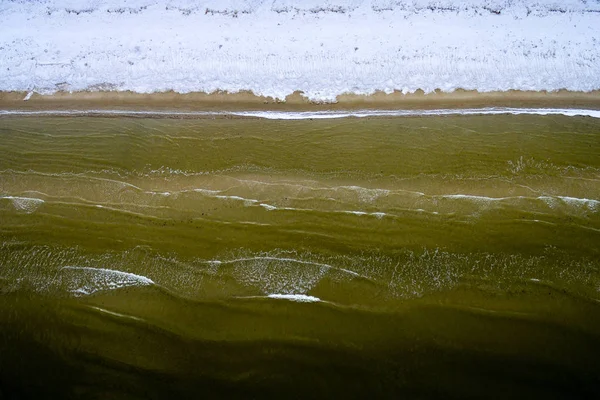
<point>246,101</point>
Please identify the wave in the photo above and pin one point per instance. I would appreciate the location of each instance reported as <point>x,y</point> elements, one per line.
<point>116,314</point>
<point>302,298</point>
<point>290,260</point>
<point>88,280</point>
<point>377,214</point>
<point>589,203</point>
<point>25,204</point>
<point>552,201</point>
<point>372,278</point>
<point>393,208</point>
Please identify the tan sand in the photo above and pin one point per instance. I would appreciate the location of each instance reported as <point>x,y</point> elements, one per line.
<point>247,100</point>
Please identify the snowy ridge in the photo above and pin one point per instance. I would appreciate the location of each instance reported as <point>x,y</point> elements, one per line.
<point>322,48</point>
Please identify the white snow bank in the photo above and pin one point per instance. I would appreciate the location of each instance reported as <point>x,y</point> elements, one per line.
<point>320,47</point>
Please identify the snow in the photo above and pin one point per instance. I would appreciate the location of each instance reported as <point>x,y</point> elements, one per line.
<point>322,48</point>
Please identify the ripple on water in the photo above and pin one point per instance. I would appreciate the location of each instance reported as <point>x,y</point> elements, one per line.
<point>371,278</point>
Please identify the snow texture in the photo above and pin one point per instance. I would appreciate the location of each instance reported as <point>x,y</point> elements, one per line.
<point>322,48</point>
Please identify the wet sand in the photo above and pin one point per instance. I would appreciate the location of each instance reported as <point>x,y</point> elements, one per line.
<point>248,101</point>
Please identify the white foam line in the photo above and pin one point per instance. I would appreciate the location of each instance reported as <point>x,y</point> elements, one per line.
<point>406,113</point>
<point>537,221</point>
<point>588,202</point>
<point>378,215</point>
<point>268,207</point>
<point>301,298</point>
<point>235,198</point>
<point>320,188</point>
<point>475,197</point>
<point>566,199</point>
<point>116,314</point>
<point>363,189</point>
<point>330,114</point>
<point>355,212</point>
<point>23,198</point>
<point>206,191</point>
<point>267,258</point>
<point>213,193</point>
<point>139,278</point>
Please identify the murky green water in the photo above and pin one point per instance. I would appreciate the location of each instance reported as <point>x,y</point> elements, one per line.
<point>419,257</point>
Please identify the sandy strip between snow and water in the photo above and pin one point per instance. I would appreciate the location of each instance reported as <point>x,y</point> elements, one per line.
<point>247,105</point>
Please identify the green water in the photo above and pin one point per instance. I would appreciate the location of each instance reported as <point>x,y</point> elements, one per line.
<point>411,257</point>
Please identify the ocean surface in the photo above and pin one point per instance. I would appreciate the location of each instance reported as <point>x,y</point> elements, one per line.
<point>448,256</point>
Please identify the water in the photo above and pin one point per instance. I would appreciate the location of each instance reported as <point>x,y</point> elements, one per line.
<point>417,256</point>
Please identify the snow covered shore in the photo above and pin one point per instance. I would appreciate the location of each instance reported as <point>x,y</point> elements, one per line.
<point>323,48</point>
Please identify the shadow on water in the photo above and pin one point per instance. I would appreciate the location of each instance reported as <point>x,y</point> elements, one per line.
<point>69,349</point>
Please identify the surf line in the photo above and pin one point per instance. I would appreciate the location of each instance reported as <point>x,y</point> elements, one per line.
<point>299,115</point>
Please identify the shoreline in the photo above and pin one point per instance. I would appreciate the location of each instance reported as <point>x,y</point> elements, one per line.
<point>301,115</point>
<point>246,101</point>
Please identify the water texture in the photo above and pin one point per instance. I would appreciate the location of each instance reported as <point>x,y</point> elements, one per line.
<point>416,256</point>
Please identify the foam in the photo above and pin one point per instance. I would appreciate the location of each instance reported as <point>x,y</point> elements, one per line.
<point>554,201</point>
<point>288,260</point>
<point>355,212</point>
<point>409,113</point>
<point>247,202</point>
<point>215,194</point>
<point>24,204</point>
<point>301,298</point>
<point>89,280</point>
<point>303,115</point>
<point>475,198</point>
<point>589,203</point>
<point>377,215</point>
<point>550,200</point>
